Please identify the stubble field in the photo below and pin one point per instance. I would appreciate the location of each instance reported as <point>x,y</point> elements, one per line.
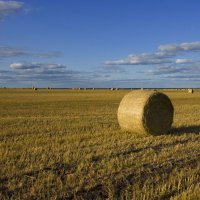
<point>65,144</point>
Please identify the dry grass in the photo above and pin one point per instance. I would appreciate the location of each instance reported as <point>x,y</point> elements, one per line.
<point>68,144</point>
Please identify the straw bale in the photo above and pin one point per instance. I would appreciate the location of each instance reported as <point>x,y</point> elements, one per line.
<point>146,112</point>
<point>191,91</point>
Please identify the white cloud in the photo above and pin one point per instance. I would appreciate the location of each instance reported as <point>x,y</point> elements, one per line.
<point>20,66</point>
<point>184,61</point>
<point>163,70</point>
<point>11,51</point>
<point>8,51</point>
<point>184,69</point>
<point>143,59</point>
<point>36,65</point>
<point>192,46</point>
<point>54,74</point>
<point>165,54</point>
<point>10,7</point>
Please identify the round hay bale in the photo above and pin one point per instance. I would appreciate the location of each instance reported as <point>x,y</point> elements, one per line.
<point>190,91</point>
<point>146,112</point>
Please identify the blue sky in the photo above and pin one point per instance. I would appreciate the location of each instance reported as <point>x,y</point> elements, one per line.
<point>100,43</point>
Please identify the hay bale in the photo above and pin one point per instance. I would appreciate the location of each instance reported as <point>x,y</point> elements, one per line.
<point>35,89</point>
<point>191,91</point>
<point>146,112</point>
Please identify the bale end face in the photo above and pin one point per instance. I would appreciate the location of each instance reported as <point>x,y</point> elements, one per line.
<point>158,114</point>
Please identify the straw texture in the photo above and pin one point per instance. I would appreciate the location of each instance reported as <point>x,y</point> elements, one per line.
<point>146,112</point>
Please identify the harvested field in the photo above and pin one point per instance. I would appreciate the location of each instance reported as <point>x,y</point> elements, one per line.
<point>67,144</point>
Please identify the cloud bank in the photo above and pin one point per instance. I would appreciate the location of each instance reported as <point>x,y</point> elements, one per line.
<point>8,52</point>
<point>165,54</point>
<point>143,59</point>
<point>45,74</point>
<point>165,67</point>
<point>37,65</point>
<point>170,62</point>
<point>13,52</point>
<point>183,47</point>
<point>181,66</point>
<point>10,7</point>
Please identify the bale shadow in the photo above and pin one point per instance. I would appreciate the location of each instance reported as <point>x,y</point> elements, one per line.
<point>185,129</point>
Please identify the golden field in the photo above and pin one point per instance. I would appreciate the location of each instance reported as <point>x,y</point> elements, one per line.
<point>67,144</point>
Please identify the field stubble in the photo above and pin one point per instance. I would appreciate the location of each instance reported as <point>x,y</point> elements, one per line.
<point>62,144</point>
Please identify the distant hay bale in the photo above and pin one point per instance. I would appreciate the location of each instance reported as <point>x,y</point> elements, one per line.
<point>35,88</point>
<point>146,112</point>
<point>191,91</point>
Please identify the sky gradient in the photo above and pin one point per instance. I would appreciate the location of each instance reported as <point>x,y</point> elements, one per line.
<point>100,43</point>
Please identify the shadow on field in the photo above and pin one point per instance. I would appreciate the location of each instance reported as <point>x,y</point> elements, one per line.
<point>59,169</point>
<point>119,184</point>
<point>185,129</point>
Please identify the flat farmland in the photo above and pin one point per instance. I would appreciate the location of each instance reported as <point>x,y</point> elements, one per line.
<point>67,144</point>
